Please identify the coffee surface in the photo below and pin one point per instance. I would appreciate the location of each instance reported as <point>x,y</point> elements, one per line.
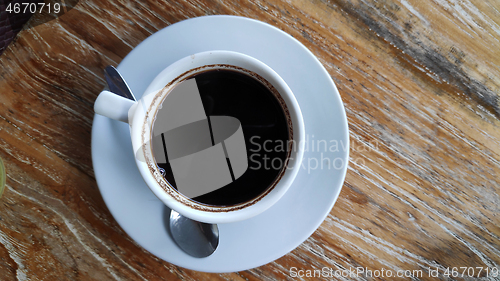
<point>231,93</point>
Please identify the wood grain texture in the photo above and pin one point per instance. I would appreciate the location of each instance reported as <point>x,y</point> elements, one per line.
<point>420,80</point>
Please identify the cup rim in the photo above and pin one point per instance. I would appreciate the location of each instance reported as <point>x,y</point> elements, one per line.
<point>178,71</point>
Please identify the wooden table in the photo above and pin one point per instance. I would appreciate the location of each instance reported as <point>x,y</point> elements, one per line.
<point>420,80</point>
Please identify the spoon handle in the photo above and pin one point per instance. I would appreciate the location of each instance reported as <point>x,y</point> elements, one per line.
<point>116,83</point>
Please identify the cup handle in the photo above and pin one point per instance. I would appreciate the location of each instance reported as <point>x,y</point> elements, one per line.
<point>113,106</point>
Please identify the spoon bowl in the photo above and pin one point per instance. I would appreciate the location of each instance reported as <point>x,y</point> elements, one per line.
<point>197,239</point>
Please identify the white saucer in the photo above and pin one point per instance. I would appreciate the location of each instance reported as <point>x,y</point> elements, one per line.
<point>283,227</point>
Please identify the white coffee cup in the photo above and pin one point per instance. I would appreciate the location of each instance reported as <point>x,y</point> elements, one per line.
<point>139,115</point>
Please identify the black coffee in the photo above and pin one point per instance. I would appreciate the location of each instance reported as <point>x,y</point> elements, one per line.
<point>226,92</point>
